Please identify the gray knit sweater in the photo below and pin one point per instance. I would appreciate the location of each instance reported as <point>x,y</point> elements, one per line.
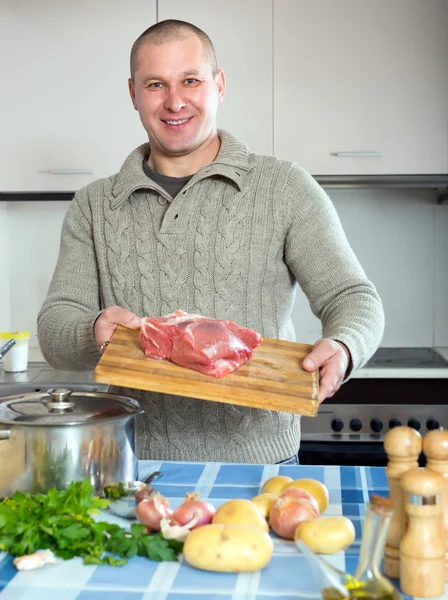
<point>231,245</point>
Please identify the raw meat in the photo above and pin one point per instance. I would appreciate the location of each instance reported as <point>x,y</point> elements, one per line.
<point>210,346</point>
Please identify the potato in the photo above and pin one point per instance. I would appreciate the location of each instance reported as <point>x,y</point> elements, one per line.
<point>318,490</point>
<point>326,535</point>
<point>264,503</point>
<point>228,548</point>
<point>240,512</point>
<point>276,485</point>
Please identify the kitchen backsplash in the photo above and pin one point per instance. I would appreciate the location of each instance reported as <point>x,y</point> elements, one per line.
<point>400,237</point>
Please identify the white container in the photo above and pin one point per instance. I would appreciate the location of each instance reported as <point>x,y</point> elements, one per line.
<point>16,360</point>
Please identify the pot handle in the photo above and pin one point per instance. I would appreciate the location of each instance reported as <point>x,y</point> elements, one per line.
<point>5,434</point>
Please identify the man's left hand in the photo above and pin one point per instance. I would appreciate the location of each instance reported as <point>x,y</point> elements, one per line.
<point>332,359</point>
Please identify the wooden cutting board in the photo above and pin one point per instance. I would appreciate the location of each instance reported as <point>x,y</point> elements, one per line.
<point>272,379</point>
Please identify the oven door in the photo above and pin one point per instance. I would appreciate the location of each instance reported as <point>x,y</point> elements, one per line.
<point>349,428</point>
<point>370,454</point>
<point>342,453</point>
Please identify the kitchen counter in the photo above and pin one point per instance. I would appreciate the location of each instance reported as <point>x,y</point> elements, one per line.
<point>405,373</point>
<point>286,577</point>
<point>40,372</point>
<point>443,352</point>
<point>388,373</point>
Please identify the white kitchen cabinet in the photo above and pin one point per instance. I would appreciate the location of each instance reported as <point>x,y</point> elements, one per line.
<point>65,103</point>
<point>241,33</point>
<point>362,77</point>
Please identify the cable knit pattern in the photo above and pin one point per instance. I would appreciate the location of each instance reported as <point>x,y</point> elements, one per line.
<point>143,218</point>
<point>173,272</point>
<point>183,422</point>
<point>229,245</point>
<point>211,416</point>
<point>116,232</point>
<point>202,251</point>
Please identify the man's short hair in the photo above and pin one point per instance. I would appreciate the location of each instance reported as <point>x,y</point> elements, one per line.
<point>172,30</point>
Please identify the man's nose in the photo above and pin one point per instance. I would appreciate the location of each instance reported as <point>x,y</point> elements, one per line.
<point>174,100</point>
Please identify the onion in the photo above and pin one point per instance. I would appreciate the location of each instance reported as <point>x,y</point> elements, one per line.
<point>299,495</point>
<point>291,509</point>
<point>150,511</point>
<point>177,532</point>
<point>193,507</point>
<point>142,492</point>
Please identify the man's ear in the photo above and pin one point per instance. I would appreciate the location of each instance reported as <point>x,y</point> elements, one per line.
<point>131,87</point>
<point>220,80</point>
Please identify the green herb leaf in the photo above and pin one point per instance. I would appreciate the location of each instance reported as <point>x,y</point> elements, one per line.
<point>115,491</point>
<point>61,521</point>
<point>156,548</point>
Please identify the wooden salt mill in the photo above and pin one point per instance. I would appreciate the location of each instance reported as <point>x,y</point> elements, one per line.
<point>435,447</point>
<point>422,551</point>
<point>403,446</point>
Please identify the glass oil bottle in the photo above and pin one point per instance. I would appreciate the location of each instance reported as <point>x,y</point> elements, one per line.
<point>367,583</point>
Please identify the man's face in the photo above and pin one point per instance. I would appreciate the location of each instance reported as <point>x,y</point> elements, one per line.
<point>176,95</point>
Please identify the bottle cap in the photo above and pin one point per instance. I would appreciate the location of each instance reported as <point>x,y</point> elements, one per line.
<point>381,504</point>
<point>14,335</point>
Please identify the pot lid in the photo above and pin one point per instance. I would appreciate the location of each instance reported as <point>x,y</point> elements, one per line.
<point>62,406</point>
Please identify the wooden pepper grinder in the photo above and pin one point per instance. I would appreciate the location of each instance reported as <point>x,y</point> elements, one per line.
<point>403,446</point>
<point>422,551</point>
<point>435,447</point>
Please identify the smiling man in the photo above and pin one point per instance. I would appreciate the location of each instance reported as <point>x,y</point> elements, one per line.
<point>177,105</point>
<point>196,221</point>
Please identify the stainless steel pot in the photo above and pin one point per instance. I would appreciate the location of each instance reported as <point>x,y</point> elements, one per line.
<point>51,438</point>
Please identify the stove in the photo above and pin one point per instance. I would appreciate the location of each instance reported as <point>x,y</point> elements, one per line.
<point>350,427</point>
<point>407,358</point>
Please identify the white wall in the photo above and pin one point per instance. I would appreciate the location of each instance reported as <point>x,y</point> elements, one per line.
<point>33,240</point>
<point>401,240</point>
<point>400,237</point>
<point>4,268</point>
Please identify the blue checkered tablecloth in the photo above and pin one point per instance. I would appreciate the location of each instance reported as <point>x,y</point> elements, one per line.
<point>286,577</point>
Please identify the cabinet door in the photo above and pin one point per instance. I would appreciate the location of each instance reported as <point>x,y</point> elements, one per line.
<point>241,33</point>
<point>361,77</point>
<point>65,104</point>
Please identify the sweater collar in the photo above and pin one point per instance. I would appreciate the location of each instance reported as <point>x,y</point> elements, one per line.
<point>232,163</point>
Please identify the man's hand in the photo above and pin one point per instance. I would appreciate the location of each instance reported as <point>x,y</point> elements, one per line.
<point>109,320</point>
<point>332,358</point>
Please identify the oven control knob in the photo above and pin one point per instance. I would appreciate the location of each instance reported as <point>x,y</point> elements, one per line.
<point>337,425</point>
<point>394,423</point>
<point>432,423</point>
<point>414,424</point>
<point>355,425</point>
<point>376,425</point>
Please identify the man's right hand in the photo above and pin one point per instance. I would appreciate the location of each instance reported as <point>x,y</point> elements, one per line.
<point>109,320</point>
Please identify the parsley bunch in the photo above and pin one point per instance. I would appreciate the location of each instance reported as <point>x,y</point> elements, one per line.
<point>62,521</point>
<point>114,491</point>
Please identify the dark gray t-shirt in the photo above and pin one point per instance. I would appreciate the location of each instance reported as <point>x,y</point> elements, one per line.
<point>172,185</point>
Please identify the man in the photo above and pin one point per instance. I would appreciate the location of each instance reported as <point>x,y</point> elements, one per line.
<point>195,221</point>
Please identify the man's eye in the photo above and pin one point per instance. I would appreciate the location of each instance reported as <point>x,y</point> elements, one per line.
<point>191,81</point>
<point>155,85</point>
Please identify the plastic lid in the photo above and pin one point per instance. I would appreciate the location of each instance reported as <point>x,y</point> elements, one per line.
<point>61,406</point>
<point>14,335</point>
